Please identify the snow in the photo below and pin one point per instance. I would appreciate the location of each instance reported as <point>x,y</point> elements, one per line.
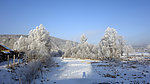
<point>69,71</point>
<point>78,71</point>
<point>6,76</point>
<point>5,52</point>
<point>140,53</point>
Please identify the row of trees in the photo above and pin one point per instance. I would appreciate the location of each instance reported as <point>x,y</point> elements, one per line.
<point>37,45</point>
<point>111,46</point>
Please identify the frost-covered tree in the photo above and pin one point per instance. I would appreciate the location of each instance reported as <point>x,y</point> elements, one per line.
<point>148,48</point>
<point>113,45</point>
<point>21,44</point>
<point>37,44</point>
<point>39,40</point>
<point>83,50</point>
<point>68,45</point>
<point>121,45</point>
<point>108,44</point>
<point>83,39</point>
<point>95,51</point>
<point>128,49</point>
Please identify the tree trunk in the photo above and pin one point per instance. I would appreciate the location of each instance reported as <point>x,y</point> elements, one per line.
<point>14,60</point>
<point>127,54</point>
<point>20,80</point>
<point>18,58</point>
<point>8,60</point>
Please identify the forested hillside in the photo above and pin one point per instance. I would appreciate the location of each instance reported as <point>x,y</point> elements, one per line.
<point>8,40</point>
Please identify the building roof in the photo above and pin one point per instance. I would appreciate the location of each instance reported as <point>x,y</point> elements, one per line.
<point>6,47</point>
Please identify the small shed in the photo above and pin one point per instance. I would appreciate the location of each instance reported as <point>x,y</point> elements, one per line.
<point>4,51</point>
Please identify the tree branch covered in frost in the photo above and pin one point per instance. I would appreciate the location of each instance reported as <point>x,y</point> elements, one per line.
<point>27,73</point>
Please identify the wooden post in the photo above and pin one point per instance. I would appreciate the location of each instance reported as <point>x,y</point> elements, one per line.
<point>19,80</point>
<point>18,58</point>
<point>14,60</point>
<point>10,63</point>
<point>8,60</point>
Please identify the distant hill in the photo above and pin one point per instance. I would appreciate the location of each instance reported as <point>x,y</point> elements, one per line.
<point>144,45</point>
<point>8,40</point>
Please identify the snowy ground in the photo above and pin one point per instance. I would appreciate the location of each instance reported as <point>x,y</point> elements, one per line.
<point>69,71</point>
<point>77,71</point>
<point>6,76</point>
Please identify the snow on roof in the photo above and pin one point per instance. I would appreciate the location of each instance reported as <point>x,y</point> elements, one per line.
<point>5,52</point>
<point>6,47</point>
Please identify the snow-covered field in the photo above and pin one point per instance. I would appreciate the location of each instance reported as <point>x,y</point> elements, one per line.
<point>6,76</point>
<point>77,71</point>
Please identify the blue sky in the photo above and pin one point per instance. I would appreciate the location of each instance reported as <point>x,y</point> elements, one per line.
<point>68,19</point>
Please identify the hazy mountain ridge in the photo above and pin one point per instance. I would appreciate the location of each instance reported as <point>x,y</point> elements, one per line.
<point>9,40</point>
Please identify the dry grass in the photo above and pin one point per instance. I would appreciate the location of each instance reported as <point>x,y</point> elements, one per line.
<point>103,65</point>
<point>109,75</point>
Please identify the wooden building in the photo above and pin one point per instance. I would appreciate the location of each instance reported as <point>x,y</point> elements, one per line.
<point>4,52</point>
